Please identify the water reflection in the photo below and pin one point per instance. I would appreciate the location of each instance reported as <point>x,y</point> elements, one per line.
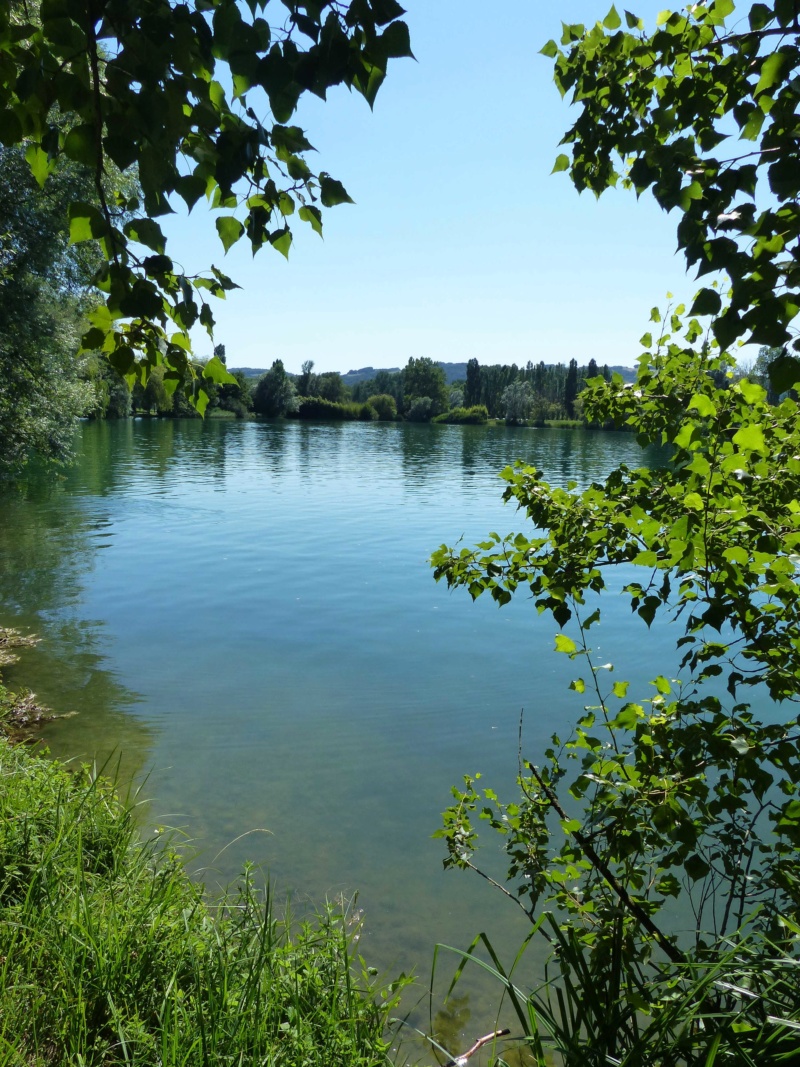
<point>48,548</point>
<point>248,608</point>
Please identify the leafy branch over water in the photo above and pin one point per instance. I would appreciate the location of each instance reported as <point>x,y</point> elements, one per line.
<point>687,793</point>
<point>683,799</point>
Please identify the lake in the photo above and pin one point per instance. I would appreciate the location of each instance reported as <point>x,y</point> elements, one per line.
<point>243,616</point>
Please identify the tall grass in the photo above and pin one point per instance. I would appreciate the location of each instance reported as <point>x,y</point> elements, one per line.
<point>738,1009</point>
<point>110,955</point>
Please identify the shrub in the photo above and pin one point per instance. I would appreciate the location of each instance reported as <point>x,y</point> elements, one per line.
<point>421,410</point>
<point>477,415</point>
<point>315,407</point>
<point>385,406</point>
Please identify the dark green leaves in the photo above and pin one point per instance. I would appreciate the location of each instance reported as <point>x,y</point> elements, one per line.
<point>332,192</point>
<point>707,302</point>
<point>79,144</point>
<point>146,92</point>
<point>784,372</point>
<point>655,109</point>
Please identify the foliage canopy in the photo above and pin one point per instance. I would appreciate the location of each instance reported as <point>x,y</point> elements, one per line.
<point>702,112</point>
<point>43,298</point>
<point>689,792</point>
<point>173,91</point>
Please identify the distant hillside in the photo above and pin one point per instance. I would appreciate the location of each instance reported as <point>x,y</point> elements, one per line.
<point>457,372</point>
<point>628,373</point>
<point>454,372</point>
<point>249,372</point>
<point>364,374</point>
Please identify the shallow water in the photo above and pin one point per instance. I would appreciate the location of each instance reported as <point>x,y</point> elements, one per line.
<point>243,612</point>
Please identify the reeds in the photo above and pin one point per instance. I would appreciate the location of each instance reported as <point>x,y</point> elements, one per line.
<point>109,953</point>
<point>740,1007</point>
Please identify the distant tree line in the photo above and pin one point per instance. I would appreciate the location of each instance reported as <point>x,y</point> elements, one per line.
<point>532,394</point>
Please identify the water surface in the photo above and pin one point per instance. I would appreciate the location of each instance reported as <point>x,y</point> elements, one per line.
<point>245,612</point>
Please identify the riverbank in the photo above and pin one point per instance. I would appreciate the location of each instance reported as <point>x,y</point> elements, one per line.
<point>110,954</point>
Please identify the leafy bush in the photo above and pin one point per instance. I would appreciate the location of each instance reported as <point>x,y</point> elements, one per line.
<point>384,405</point>
<point>315,407</point>
<point>681,798</point>
<point>110,955</point>
<point>477,415</point>
<point>421,410</point>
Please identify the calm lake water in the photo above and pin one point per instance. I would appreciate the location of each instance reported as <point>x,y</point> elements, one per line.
<point>244,613</point>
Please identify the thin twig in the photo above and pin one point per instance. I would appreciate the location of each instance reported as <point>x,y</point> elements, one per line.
<point>459,1061</point>
<point>670,950</point>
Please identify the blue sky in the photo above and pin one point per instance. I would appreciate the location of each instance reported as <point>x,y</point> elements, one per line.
<point>461,243</point>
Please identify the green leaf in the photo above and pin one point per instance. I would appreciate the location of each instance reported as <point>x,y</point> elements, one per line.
<point>784,372</point>
<point>752,392</point>
<point>706,302</point>
<point>395,42</point>
<point>229,230</point>
<point>612,20</point>
<point>565,644</point>
<point>39,162</point>
<point>312,215</point>
<point>703,405</point>
<point>696,867</point>
<point>216,371</point>
<point>562,163</point>
<point>145,232</point>
<point>771,70</point>
<point>332,192</point>
<point>281,240</point>
<point>10,127</point>
<point>628,717</point>
<point>85,223</point>
<point>79,144</point>
<point>750,439</point>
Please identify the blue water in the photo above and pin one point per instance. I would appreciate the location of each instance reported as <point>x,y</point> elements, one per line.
<point>244,613</point>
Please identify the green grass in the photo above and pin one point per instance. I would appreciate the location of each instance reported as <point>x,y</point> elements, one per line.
<point>109,953</point>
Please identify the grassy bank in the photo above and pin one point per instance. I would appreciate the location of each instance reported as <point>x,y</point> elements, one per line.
<point>109,953</point>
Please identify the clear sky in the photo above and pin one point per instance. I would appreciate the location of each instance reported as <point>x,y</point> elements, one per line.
<point>461,243</point>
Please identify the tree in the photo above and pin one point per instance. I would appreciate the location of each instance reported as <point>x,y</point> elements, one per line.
<point>43,284</point>
<point>654,108</point>
<point>472,389</point>
<point>112,397</point>
<point>688,792</point>
<point>144,83</point>
<point>331,387</point>
<point>424,378</point>
<point>384,405</point>
<point>274,393</point>
<point>571,388</point>
<point>518,402</point>
<point>303,383</point>
<point>236,396</point>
